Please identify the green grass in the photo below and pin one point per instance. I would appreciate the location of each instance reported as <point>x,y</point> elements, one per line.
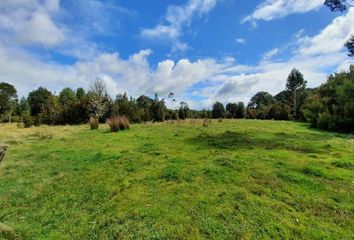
<point>231,180</point>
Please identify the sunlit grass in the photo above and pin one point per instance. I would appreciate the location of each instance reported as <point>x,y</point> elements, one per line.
<point>235,179</point>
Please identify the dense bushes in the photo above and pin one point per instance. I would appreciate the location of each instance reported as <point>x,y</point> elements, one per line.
<point>331,107</point>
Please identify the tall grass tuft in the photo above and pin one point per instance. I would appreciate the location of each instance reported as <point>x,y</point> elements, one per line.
<point>94,122</point>
<point>205,122</point>
<point>117,123</point>
<point>44,134</point>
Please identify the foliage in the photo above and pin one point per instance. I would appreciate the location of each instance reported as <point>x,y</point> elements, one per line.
<point>332,105</point>
<point>295,85</point>
<point>218,110</point>
<point>158,109</point>
<point>8,98</point>
<point>183,111</point>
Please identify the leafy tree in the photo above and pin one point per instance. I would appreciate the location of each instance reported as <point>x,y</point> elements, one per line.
<point>8,98</point>
<point>24,107</point>
<point>183,111</point>
<point>144,104</point>
<point>67,97</point>
<point>240,110</point>
<point>218,110</point>
<point>261,100</point>
<point>80,94</point>
<point>332,105</point>
<point>295,84</point>
<point>126,107</point>
<point>231,110</point>
<point>39,101</point>
<point>158,109</point>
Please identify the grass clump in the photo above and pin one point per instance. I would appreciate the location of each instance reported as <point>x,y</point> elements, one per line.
<point>205,122</point>
<point>93,122</point>
<point>44,134</point>
<point>117,123</point>
<point>347,163</point>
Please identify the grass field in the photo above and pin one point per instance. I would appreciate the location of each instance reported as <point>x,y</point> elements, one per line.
<point>236,179</point>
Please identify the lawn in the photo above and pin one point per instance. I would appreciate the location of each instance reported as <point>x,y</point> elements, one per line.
<point>236,179</point>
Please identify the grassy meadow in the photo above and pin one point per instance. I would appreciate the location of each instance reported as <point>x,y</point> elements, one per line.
<point>235,179</point>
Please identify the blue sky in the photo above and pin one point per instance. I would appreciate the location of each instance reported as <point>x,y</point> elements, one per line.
<point>203,50</point>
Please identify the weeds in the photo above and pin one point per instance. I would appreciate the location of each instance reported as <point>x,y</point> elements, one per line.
<point>118,123</point>
<point>94,122</point>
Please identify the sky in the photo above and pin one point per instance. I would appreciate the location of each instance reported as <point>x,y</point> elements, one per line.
<point>201,50</point>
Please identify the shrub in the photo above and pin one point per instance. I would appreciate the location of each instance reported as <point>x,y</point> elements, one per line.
<point>93,122</point>
<point>27,121</point>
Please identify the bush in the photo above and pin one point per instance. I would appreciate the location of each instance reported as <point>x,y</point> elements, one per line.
<point>27,121</point>
<point>93,122</point>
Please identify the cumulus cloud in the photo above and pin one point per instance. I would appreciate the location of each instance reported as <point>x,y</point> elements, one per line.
<point>273,9</point>
<point>31,22</point>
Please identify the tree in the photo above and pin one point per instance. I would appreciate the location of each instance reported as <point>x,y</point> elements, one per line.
<point>350,46</point>
<point>218,110</point>
<point>67,97</point>
<point>39,101</point>
<point>240,110</point>
<point>261,100</point>
<point>339,5</point>
<point>24,107</point>
<point>99,98</point>
<point>332,105</point>
<point>80,94</point>
<point>171,96</point>
<point>231,109</point>
<point>158,109</point>
<point>295,84</point>
<point>183,111</point>
<point>8,98</point>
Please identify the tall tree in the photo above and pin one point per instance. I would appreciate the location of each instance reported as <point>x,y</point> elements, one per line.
<point>8,98</point>
<point>295,84</point>
<point>218,110</point>
<point>39,100</point>
<point>67,96</point>
<point>99,98</point>
<point>183,111</point>
<point>260,100</point>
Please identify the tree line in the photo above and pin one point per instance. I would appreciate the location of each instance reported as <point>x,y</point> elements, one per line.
<point>330,106</point>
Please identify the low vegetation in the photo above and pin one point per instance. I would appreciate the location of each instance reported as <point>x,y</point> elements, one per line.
<point>235,179</point>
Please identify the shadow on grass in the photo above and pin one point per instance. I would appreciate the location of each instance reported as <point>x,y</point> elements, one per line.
<point>301,143</point>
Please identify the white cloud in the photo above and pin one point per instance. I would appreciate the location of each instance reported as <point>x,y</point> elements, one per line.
<point>208,79</point>
<point>241,40</point>
<point>332,38</point>
<point>176,18</point>
<point>271,53</point>
<point>31,22</point>
<point>273,9</point>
